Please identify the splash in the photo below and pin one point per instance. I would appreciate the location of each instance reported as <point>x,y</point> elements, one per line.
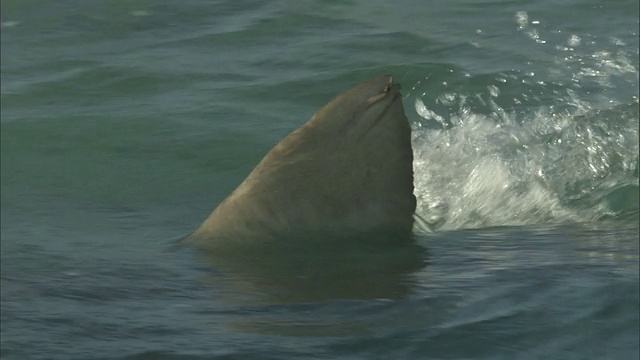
<point>532,148</point>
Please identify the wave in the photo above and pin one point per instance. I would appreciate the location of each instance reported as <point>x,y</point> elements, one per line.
<point>516,147</point>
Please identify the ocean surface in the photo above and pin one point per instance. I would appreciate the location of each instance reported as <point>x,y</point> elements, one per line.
<point>125,122</point>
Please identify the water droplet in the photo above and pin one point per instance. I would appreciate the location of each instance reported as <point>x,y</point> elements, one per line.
<point>522,19</point>
<point>573,41</point>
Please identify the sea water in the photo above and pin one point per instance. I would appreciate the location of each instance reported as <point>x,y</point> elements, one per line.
<point>124,123</point>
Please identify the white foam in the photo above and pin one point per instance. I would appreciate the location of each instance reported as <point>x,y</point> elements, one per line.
<point>546,165</point>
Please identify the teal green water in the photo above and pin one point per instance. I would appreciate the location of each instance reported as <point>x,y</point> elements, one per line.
<point>124,123</point>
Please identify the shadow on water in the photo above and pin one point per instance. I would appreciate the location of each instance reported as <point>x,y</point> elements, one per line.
<point>315,270</point>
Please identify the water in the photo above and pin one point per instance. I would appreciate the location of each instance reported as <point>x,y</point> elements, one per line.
<point>125,122</point>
